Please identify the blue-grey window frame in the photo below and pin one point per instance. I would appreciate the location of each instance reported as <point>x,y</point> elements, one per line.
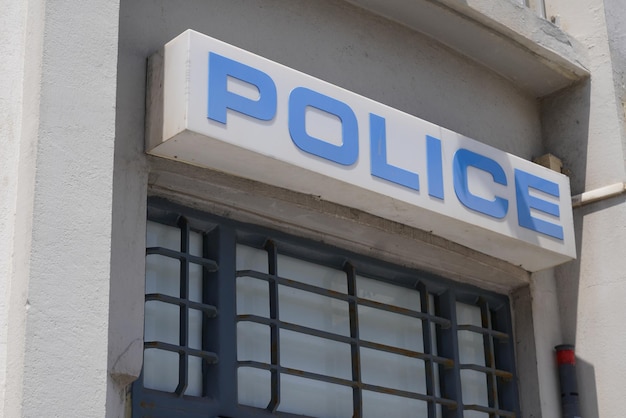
<point>219,346</point>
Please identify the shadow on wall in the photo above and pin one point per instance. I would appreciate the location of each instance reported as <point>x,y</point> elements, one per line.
<point>589,398</point>
<point>565,131</point>
<point>568,287</point>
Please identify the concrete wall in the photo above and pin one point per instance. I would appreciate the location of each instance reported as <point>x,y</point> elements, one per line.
<point>61,114</point>
<point>21,28</point>
<point>13,32</point>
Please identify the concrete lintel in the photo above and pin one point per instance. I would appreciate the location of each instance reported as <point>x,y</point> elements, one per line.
<point>308,216</point>
<point>508,38</point>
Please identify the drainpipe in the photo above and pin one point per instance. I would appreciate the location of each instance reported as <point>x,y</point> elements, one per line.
<point>598,194</point>
<point>566,360</point>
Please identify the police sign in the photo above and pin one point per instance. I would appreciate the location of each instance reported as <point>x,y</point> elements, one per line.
<point>217,106</point>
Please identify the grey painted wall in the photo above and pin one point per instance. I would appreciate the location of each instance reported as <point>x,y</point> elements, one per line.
<point>346,46</point>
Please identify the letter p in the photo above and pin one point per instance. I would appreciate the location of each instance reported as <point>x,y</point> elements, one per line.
<point>220,99</point>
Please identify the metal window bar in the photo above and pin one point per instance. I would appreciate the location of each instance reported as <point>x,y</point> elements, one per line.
<point>490,361</point>
<point>272,256</point>
<point>355,346</point>
<point>448,343</point>
<point>343,339</point>
<point>183,317</point>
<point>504,359</point>
<point>493,412</point>
<point>437,319</point>
<point>220,335</point>
<point>486,331</point>
<point>211,265</point>
<point>428,348</point>
<point>209,310</point>
<point>184,352</point>
<point>346,382</point>
<point>354,341</point>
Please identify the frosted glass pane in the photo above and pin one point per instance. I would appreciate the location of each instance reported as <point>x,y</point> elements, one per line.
<point>474,388</point>
<point>194,376</point>
<point>471,349</point>
<point>160,370</point>
<point>195,329</point>
<point>468,314</point>
<point>314,398</point>
<point>161,322</point>
<point>376,405</point>
<point>254,387</point>
<point>195,243</point>
<point>253,342</point>
<point>253,297</point>
<point>195,282</point>
<point>159,235</point>
<point>313,354</point>
<point>438,410</point>
<point>310,273</point>
<point>249,258</point>
<point>314,311</point>
<point>391,329</point>
<point>393,371</point>
<point>388,293</point>
<point>162,275</point>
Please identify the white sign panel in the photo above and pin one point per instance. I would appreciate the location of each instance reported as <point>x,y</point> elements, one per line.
<point>215,105</point>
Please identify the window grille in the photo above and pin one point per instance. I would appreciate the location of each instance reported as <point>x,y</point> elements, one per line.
<point>246,322</point>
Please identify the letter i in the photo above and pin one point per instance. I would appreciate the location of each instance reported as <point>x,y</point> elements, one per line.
<point>434,167</point>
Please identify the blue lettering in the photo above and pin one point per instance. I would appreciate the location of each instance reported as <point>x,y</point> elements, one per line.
<point>463,159</point>
<point>435,167</point>
<point>525,202</point>
<point>220,99</point>
<point>378,155</point>
<point>345,154</point>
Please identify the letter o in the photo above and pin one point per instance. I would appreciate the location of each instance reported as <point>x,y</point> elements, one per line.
<point>345,154</point>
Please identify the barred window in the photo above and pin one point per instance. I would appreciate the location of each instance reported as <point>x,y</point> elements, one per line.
<point>242,322</point>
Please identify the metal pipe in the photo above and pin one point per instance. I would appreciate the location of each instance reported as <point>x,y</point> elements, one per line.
<point>598,194</point>
<point>566,360</point>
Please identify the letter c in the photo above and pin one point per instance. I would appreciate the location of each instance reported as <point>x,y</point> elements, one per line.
<point>465,158</point>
